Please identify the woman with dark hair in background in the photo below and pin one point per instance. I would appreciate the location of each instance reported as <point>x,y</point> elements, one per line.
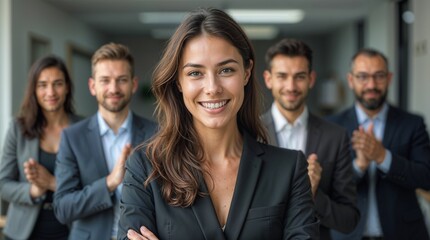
<point>29,154</point>
<point>207,173</point>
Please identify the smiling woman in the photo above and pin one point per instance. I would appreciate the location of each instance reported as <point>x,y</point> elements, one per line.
<point>207,173</point>
<point>28,158</point>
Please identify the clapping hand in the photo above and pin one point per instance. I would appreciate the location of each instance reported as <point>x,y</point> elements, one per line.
<point>314,172</point>
<point>367,146</point>
<point>114,179</point>
<point>39,177</point>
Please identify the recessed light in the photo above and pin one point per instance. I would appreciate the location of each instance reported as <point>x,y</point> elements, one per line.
<point>267,16</point>
<point>261,32</point>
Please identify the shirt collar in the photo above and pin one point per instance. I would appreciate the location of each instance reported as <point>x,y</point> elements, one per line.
<point>363,118</point>
<point>280,121</point>
<point>104,127</point>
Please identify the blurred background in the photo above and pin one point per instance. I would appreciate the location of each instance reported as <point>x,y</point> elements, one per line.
<point>335,29</point>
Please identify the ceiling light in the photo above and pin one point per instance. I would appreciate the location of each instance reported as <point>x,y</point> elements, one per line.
<point>267,16</point>
<point>270,16</point>
<point>261,32</point>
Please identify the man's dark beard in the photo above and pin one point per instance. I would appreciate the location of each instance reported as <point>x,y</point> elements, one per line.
<point>372,104</point>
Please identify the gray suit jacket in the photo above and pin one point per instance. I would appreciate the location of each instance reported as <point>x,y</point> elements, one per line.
<point>82,196</point>
<point>14,188</point>
<point>271,200</point>
<point>335,201</point>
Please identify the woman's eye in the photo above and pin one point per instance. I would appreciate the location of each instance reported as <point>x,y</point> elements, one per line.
<point>194,74</point>
<point>227,70</point>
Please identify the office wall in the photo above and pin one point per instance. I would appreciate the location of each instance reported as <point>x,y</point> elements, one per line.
<point>5,67</point>
<point>5,76</point>
<point>380,32</point>
<point>419,84</point>
<point>342,44</point>
<point>47,22</point>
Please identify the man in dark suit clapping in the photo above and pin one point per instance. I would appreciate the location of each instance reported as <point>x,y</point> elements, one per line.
<point>290,124</point>
<point>391,155</point>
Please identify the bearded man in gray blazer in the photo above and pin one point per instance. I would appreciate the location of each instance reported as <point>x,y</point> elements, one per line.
<point>92,155</point>
<point>289,123</point>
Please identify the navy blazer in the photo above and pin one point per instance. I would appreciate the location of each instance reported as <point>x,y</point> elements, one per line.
<point>400,215</point>
<point>335,201</point>
<point>271,200</point>
<point>82,196</point>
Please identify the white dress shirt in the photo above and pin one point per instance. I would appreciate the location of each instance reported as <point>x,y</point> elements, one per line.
<point>291,135</point>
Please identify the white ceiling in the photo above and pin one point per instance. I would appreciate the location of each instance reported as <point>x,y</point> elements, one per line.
<point>120,17</point>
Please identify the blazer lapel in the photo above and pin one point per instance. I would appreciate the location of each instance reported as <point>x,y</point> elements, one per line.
<point>138,131</point>
<point>247,178</point>
<point>94,140</point>
<point>352,120</point>
<point>270,126</point>
<point>390,127</point>
<point>206,217</point>
<point>314,134</point>
<point>352,123</point>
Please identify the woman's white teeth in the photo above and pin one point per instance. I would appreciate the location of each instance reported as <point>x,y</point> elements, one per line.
<point>214,105</point>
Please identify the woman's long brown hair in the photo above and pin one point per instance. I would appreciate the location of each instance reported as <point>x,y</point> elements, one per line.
<point>30,117</point>
<point>175,151</point>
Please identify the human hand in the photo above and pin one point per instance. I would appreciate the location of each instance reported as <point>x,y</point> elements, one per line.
<point>423,193</point>
<point>361,161</point>
<point>36,191</point>
<point>38,175</point>
<point>366,142</point>
<point>115,177</point>
<point>314,172</point>
<point>145,234</point>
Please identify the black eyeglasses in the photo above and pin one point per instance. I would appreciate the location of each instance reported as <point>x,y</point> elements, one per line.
<point>363,78</point>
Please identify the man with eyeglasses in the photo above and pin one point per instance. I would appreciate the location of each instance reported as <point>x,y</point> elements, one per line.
<point>391,155</point>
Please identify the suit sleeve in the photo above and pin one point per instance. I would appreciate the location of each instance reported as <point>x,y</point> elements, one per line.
<point>137,201</point>
<point>11,188</point>
<point>337,210</point>
<point>72,200</point>
<point>300,221</point>
<point>413,170</point>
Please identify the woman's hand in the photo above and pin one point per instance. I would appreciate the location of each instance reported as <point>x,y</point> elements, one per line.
<point>39,175</point>
<point>145,234</point>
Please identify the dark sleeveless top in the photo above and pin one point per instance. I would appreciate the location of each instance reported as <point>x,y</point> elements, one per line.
<point>47,226</point>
